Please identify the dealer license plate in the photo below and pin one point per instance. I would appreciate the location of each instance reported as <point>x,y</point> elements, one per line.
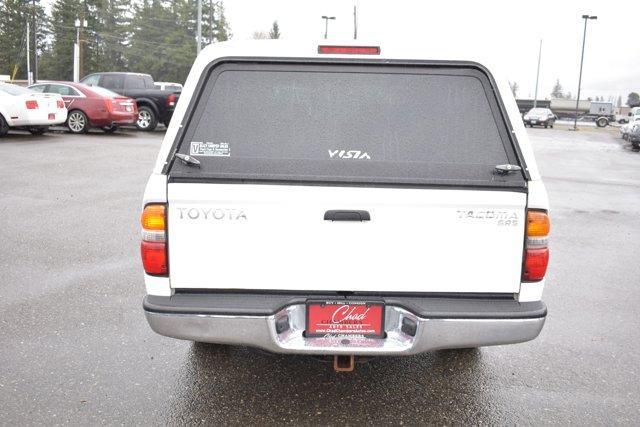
<point>52,116</point>
<point>359,318</point>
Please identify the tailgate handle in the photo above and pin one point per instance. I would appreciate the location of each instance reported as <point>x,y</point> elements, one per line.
<point>338,215</point>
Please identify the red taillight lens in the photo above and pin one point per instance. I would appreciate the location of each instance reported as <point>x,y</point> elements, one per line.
<point>32,104</point>
<point>535,264</point>
<point>154,247</point>
<point>171,100</point>
<point>154,257</point>
<point>60,103</point>
<point>536,253</point>
<point>349,50</point>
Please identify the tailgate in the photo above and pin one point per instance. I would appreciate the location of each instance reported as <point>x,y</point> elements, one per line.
<point>279,145</point>
<point>228,236</point>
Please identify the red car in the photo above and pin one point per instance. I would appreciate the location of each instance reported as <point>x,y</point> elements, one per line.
<point>92,106</point>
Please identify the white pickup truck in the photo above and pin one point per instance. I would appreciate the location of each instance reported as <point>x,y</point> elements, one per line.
<point>326,199</point>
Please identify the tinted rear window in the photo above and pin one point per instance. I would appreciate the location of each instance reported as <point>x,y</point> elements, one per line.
<point>369,124</point>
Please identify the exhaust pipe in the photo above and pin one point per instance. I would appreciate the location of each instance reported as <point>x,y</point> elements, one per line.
<point>343,363</point>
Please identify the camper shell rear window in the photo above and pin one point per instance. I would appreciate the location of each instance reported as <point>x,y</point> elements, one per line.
<point>346,123</point>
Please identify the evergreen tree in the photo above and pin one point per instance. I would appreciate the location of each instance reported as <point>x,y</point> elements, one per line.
<point>275,31</point>
<point>111,35</point>
<point>222,30</point>
<point>633,100</point>
<point>557,90</point>
<point>14,15</point>
<point>57,63</point>
<point>514,88</point>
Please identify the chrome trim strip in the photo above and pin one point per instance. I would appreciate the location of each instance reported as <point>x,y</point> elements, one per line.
<point>260,331</point>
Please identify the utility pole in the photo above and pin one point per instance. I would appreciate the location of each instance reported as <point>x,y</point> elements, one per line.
<point>326,24</point>
<point>355,23</point>
<point>35,42</point>
<point>29,79</point>
<point>535,98</point>
<point>77,51</point>
<point>584,39</point>
<point>199,30</point>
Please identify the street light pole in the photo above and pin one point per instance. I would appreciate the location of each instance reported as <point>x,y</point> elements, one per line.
<point>35,43</point>
<point>326,24</point>
<point>535,97</point>
<point>584,39</point>
<point>199,46</point>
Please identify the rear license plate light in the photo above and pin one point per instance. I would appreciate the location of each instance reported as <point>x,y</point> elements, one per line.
<point>339,318</point>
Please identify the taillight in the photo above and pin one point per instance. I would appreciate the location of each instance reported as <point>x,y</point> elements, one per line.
<point>349,50</point>
<point>60,103</point>
<point>31,104</point>
<point>154,245</point>
<point>536,251</point>
<point>171,100</point>
<point>108,104</point>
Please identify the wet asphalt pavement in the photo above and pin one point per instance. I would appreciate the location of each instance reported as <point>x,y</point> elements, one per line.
<point>75,347</point>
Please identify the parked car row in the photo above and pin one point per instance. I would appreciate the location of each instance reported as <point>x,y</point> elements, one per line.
<point>91,107</point>
<point>154,105</point>
<point>101,100</point>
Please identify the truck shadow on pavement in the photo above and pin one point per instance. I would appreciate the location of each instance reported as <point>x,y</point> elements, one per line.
<point>240,385</point>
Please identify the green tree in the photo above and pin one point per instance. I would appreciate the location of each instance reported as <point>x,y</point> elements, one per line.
<point>633,99</point>
<point>222,29</point>
<point>514,88</point>
<point>111,35</point>
<point>275,31</point>
<point>14,15</point>
<point>57,63</point>
<point>557,90</point>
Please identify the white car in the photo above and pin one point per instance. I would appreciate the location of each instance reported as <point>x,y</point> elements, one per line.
<point>22,108</point>
<point>308,198</point>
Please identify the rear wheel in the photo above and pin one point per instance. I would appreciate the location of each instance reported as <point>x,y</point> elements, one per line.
<point>77,122</point>
<point>38,130</point>
<point>110,129</point>
<point>4,127</point>
<point>147,120</point>
<point>602,122</point>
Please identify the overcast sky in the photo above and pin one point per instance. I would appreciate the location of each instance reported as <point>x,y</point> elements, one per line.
<point>507,31</point>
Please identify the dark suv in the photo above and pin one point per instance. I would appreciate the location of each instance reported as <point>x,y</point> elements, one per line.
<point>154,105</point>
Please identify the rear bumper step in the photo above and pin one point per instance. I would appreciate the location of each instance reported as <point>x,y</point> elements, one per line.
<point>257,320</point>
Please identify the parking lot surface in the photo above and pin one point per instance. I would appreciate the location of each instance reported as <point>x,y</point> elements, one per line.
<point>75,347</point>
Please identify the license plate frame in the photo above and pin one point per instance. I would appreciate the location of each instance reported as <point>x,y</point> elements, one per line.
<point>318,311</point>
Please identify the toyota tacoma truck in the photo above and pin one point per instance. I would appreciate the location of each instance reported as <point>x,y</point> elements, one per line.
<point>310,199</point>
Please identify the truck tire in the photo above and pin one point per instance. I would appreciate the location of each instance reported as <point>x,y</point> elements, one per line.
<point>147,120</point>
<point>602,122</point>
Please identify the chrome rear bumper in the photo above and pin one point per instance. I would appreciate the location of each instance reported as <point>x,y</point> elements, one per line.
<point>261,331</point>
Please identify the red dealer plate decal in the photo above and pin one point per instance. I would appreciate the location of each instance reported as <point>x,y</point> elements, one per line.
<point>345,318</point>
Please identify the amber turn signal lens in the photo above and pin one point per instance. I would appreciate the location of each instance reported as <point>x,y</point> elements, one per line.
<point>538,224</point>
<point>153,217</point>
